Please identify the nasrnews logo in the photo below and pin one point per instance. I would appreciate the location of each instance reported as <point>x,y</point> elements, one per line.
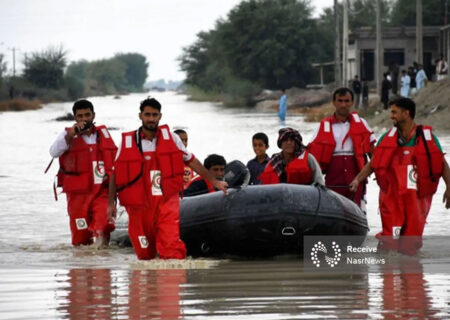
<point>333,254</point>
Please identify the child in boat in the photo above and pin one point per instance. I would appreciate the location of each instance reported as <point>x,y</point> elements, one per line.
<point>256,166</point>
<point>188,172</point>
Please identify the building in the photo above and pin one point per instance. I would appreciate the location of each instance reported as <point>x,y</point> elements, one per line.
<point>399,46</point>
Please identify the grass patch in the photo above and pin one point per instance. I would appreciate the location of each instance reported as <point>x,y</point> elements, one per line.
<point>197,94</point>
<point>19,104</point>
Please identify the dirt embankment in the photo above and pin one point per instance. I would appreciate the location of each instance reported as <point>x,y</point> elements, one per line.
<point>432,108</point>
<point>19,104</point>
<point>297,99</point>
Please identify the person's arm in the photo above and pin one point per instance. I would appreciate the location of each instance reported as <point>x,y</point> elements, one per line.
<point>201,170</point>
<point>361,176</point>
<point>446,177</point>
<point>59,146</point>
<point>317,172</point>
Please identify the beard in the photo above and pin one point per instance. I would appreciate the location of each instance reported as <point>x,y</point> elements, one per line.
<point>151,128</point>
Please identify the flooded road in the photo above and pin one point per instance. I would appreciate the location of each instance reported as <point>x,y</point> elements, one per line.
<point>43,277</point>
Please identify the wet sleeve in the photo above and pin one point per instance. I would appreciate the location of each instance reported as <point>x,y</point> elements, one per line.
<point>373,138</point>
<point>59,146</point>
<point>315,167</point>
<point>187,156</point>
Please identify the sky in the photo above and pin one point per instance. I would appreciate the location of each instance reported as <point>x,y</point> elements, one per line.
<point>97,29</point>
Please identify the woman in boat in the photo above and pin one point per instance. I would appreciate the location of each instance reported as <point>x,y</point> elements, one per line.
<point>294,164</point>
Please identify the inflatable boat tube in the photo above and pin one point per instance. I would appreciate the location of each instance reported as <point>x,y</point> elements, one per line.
<point>263,220</point>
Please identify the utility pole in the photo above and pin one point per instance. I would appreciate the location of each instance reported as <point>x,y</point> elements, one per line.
<point>445,17</point>
<point>13,49</point>
<point>379,50</point>
<point>337,48</point>
<point>345,45</point>
<point>419,32</point>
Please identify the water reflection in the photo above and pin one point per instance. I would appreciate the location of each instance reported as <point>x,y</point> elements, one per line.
<point>243,289</point>
<point>90,294</point>
<point>155,294</point>
<point>137,294</point>
<point>406,293</point>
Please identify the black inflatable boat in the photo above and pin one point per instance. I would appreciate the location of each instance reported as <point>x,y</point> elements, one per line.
<point>264,220</point>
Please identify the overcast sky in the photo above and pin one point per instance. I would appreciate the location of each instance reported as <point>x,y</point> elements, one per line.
<point>95,29</point>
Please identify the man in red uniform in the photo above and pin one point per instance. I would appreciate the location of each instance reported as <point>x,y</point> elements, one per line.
<point>341,146</point>
<point>86,155</point>
<point>148,175</point>
<point>408,162</point>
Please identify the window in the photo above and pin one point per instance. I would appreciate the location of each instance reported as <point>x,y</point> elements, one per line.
<point>392,56</point>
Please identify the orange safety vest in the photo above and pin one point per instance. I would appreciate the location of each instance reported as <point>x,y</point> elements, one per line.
<point>133,182</point>
<point>428,166</point>
<point>84,165</point>
<point>322,147</point>
<point>297,172</point>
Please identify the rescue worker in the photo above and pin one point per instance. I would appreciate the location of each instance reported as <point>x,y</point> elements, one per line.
<point>408,162</point>
<point>86,155</point>
<point>148,176</point>
<point>294,164</point>
<point>215,164</point>
<point>341,145</point>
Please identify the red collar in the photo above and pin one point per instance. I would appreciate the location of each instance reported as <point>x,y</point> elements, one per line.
<point>333,119</point>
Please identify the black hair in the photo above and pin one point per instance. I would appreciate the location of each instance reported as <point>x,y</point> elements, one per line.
<point>342,92</point>
<point>405,104</point>
<point>180,131</point>
<point>150,102</point>
<point>261,136</point>
<point>214,160</point>
<point>82,104</point>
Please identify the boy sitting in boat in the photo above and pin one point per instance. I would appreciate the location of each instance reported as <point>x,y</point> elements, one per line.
<point>256,166</point>
<point>216,166</point>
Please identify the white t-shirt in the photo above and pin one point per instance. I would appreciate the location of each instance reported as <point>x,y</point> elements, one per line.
<point>60,145</point>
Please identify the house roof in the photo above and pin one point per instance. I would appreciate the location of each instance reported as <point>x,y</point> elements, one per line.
<point>394,32</point>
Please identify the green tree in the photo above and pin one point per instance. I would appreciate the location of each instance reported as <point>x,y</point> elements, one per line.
<point>197,61</point>
<point>269,42</point>
<point>404,12</point>
<point>136,66</point>
<point>45,69</point>
<point>78,70</point>
<point>362,13</point>
<point>107,76</point>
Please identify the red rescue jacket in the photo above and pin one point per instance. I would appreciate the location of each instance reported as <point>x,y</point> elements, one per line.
<point>133,182</point>
<point>84,165</point>
<point>322,147</point>
<point>297,172</point>
<point>428,167</point>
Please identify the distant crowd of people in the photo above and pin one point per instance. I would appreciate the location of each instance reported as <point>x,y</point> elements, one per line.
<point>405,83</point>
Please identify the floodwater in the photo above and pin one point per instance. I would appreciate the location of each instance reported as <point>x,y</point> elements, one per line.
<point>43,277</point>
